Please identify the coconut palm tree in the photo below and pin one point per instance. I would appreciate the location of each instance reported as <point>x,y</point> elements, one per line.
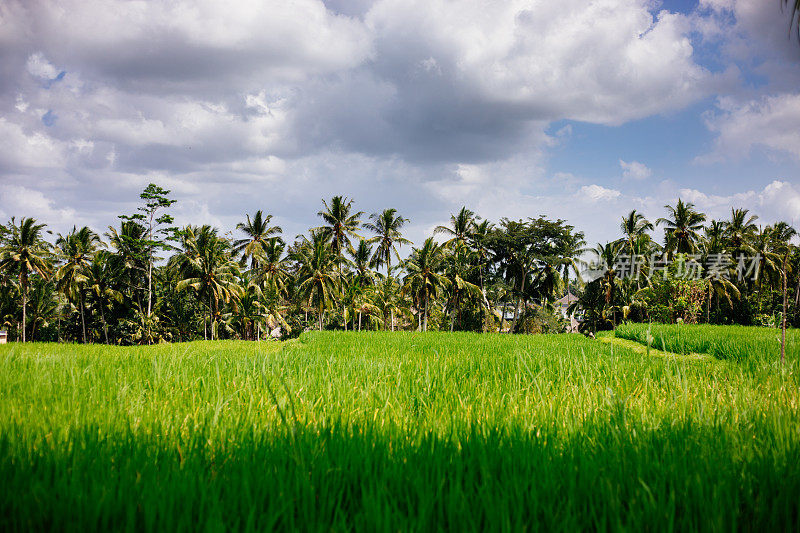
<point>25,253</point>
<point>386,225</point>
<point>129,260</point>
<point>606,256</point>
<point>571,248</point>
<point>207,268</point>
<point>272,269</point>
<point>714,237</point>
<point>258,232</point>
<point>478,240</point>
<point>460,226</point>
<point>740,231</point>
<point>341,225</point>
<point>387,300</point>
<point>768,260</point>
<point>682,227</point>
<point>76,250</point>
<point>360,261</point>
<point>424,275</point>
<point>459,265</point>
<point>100,279</point>
<point>635,228</point>
<point>318,277</point>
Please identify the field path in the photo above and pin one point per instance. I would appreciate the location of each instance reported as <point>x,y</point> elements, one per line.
<point>609,338</point>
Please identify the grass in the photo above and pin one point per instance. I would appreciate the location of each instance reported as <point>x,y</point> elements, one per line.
<point>382,431</point>
<point>742,344</point>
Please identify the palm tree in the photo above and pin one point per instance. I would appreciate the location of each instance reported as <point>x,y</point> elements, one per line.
<point>340,227</point>
<point>606,256</point>
<point>478,240</point>
<point>129,260</point>
<point>682,227</point>
<point>458,267</point>
<point>318,277</point>
<point>424,275</point>
<point>258,232</point>
<point>272,270</point>
<point>44,305</point>
<point>461,224</point>
<point>717,266</point>
<point>361,261</point>
<point>768,260</point>
<point>386,299</point>
<point>387,225</point>
<point>571,248</point>
<point>740,231</point>
<point>207,268</point>
<point>25,253</point>
<point>76,250</point>
<point>341,224</point>
<point>634,227</point>
<point>100,278</point>
<point>714,237</point>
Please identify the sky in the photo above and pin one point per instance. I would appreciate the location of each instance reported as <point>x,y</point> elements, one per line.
<point>516,108</point>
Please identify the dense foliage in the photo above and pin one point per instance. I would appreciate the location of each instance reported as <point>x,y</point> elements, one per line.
<point>145,281</point>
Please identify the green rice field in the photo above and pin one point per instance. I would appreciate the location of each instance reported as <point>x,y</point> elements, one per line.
<point>752,346</point>
<point>400,431</point>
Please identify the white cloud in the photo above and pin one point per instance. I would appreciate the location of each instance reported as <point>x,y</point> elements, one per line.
<point>21,150</point>
<point>634,170</point>
<point>779,200</point>
<point>608,61</point>
<point>24,201</point>
<point>40,67</point>
<point>770,122</point>
<point>596,193</point>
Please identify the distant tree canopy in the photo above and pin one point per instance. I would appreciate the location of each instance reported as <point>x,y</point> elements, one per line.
<point>145,281</point>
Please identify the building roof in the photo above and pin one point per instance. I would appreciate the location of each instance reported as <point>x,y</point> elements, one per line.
<point>567,300</point>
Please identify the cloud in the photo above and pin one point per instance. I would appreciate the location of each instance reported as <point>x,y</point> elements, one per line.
<point>770,122</point>
<point>634,170</point>
<point>596,193</point>
<point>33,203</point>
<point>421,105</point>
<point>40,67</point>
<point>779,200</point>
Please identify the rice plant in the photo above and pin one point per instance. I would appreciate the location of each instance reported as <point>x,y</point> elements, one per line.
<point>383,431</point>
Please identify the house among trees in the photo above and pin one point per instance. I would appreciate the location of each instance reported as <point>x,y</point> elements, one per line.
<point>562,306</point>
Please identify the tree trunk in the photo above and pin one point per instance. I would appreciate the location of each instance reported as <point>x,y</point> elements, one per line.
<point>785,301</point>
<point>211,315</point>
<point>24,283</point>
<point>359,321</point>
<point>103,318</point>
<point>392,313</point>
<point>425,312</point>
<point>516,308</point>
<point>320,316</point>
<point>83,320</point>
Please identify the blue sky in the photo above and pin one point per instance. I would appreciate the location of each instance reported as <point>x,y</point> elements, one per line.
<point>576,110</point>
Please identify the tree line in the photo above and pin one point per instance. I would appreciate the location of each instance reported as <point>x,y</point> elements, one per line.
<point>145,281</point>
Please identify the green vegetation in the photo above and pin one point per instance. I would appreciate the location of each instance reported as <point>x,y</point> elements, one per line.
<point>393,431</point>
<point>149,282</point>
<point>737,343</point>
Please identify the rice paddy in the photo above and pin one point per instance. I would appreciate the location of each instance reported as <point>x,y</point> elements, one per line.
<point>396,431</point>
